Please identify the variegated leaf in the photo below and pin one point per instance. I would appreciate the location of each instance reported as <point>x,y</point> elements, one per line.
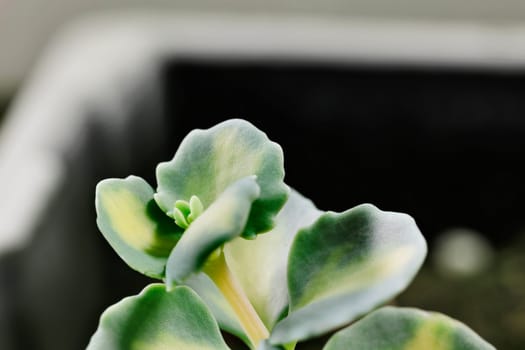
<point>260,265</point>
<point>157,320</point>
<point>392,328</point>
<point>208,161</point>
<point>223,221</point>
<point>346,264</point>
<point>134,225</point>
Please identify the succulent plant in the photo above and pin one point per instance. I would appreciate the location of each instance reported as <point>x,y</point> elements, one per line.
<point>237,250</point>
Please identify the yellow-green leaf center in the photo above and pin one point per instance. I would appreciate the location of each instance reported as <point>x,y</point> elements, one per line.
<point>184,212</point>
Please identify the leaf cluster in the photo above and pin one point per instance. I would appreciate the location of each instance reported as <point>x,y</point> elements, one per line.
<point>235,249</point>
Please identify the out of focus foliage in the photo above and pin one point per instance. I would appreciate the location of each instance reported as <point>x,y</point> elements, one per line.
<point>492,301</point>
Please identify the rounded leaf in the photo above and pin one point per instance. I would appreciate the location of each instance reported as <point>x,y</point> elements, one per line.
<point>407,329</point>
<point>134,225</point>
<point>346,264</point>
<point>156,320</point>
<point>208,161</point>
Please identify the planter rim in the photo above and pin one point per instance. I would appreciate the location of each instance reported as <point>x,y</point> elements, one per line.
<point>84,66</point>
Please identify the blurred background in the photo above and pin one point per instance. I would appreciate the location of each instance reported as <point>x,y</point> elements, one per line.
<point>414,106</point>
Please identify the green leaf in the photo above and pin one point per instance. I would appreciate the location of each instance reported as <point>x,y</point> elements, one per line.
<point>223,221</point>
<point>208,161</point>
<point>260,267</point>
<point>134,225</point>
<point>158,320</point>
<point>406,329</point>
<point>346,264</point>
<point>260,264</point>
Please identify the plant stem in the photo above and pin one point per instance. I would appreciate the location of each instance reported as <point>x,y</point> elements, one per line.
<point>217,269</point>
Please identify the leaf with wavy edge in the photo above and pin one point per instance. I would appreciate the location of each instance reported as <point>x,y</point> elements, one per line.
<point>406,329</point>
<point>221,222</point>
<point>260,267</point>
<point>134,225</point>
<point>208,161</point>
<point>346,264</point>
<point>156,320</point>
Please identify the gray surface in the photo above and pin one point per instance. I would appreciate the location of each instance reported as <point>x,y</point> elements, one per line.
<point>81,118</point>
<point>26,26</point>
<point>92,72</point>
